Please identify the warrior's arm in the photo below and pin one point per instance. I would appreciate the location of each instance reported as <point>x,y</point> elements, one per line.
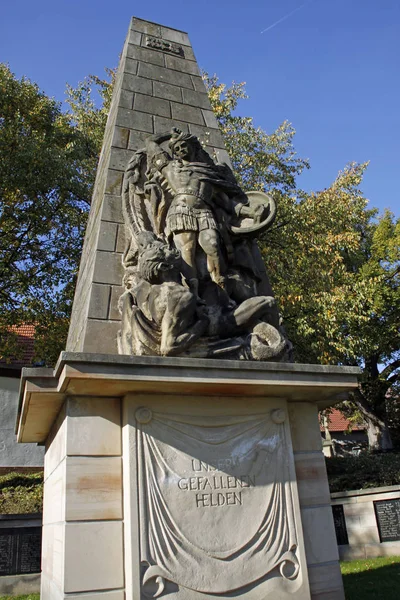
<point>229,204</point>
<point>238,206</point>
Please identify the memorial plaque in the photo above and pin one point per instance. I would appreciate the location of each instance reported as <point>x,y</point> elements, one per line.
<point>340,524</point>
<point>20,550</point>
<point>388,518</point>
<point>215,494</point>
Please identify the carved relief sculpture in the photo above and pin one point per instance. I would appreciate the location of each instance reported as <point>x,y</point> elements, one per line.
<point>195,284</point>
<point>215,503</point>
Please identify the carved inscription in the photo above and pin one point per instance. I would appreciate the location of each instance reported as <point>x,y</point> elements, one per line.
<point>213,496</point>
<point>20,550</point>
<point>152,42</point>
<point>388,518</point>
<point>340,524</point>
<point>215,488</point>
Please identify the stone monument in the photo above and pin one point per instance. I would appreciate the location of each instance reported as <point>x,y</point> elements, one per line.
<point>183,453</point>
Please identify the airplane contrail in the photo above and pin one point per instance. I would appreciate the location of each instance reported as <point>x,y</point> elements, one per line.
<point>286,16</point>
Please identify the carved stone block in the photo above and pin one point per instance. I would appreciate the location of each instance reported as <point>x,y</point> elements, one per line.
<point>215,500</point>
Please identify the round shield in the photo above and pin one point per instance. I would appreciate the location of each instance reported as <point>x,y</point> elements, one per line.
<point>262,213</point>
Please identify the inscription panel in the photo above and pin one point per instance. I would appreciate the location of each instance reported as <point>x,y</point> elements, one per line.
<point>340,524</point>
<point>20,550</point>
<point>215,494</point>
<point>387,514</point>
<point>164,46</point>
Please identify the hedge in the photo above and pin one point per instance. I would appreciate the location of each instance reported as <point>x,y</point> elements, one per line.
<point>21,493</point>
<point>367,470</point>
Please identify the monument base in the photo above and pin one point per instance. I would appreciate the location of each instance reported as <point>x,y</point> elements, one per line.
<point>182,477</point>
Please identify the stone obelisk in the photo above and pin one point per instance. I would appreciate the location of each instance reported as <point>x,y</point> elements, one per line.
<point>178,477</point>
<point>158,86</point>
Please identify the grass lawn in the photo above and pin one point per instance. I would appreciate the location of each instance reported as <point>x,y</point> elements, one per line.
<point>372,579</point>
<point>29,597</point>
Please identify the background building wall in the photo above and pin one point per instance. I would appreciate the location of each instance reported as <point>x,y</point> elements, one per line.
<point>11,453</point>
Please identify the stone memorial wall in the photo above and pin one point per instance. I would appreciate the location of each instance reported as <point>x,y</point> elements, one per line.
<point>369,522</point>
<point>20,553</point>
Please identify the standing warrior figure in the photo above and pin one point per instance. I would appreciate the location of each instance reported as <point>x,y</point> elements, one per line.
<point>204,194</point>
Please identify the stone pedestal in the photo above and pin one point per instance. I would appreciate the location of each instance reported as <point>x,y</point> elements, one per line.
<point>184,478</point>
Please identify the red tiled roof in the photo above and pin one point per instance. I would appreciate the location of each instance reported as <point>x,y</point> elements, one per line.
<point>338,422</point>
<point>26,340</point>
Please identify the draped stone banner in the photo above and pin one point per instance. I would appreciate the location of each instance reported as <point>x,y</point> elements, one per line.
<point>216,505</point>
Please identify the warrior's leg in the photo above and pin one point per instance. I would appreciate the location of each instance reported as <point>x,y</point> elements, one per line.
<point>209,242</point>
<point>186,242</point>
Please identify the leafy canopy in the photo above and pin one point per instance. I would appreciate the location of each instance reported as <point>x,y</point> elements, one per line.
<point>47,165</point>
<point>333,262</point>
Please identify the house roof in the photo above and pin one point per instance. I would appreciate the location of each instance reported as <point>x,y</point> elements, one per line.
<point>338,422</point>
<point>26,340</point>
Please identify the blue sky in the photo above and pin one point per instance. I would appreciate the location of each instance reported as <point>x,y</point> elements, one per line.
<point>331,67</point>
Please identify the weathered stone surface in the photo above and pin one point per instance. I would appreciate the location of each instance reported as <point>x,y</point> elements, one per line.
<point>182,65</point>
<point>108,268</point>
<point>326,582</point>
<point>93,489</point>
<point>211,137</point>
<point>93,427</point>
<point>167,91</point>
<point>121,239</point>
<point>319,535</point>
<point>161,124</point>
<point>188,114</point>
<point>210,119</point>
<point>135,120</point>
<point>136,139</point>
<point>312,481</point>
<point>113,182</point>
<point>101,336</point>
<point>99,301</point>
<point>118,159</point>
<point>112,209</point>
<point>146,27</point>
<point>198,84</point>
<point>194,98</point>
<point>134,37</point>
<point>149,56</point>
<point>98,546</point>
<point>166,75</point>
<point>107,236</point>
<point>230,461</point>
<point>174,35</point>
<point>154,106</point>
<point>121,136</point>
<point>126,99</point>
<point>137,84</point>
<point>131,66</point>
<point>116,293</point>
<point>20,585</point>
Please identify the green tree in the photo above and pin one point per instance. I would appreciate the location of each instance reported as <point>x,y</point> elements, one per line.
<point>45,189</point>
<point>333,263</point>
<point>260,161</point>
